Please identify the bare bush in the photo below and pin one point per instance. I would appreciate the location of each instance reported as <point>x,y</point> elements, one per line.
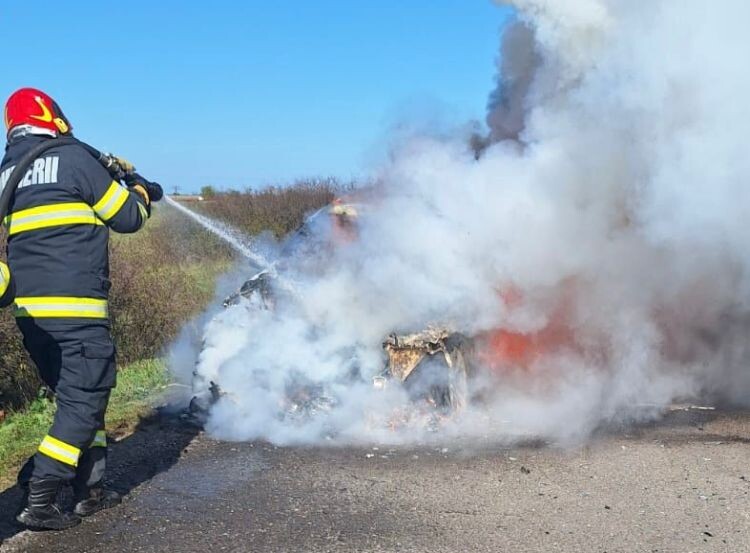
<point>274,209</point>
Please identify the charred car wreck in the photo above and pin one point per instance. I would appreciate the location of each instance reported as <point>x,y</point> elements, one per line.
<point>433,366</point>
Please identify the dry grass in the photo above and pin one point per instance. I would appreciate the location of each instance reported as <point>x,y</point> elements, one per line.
<point>161,277</point>
<point>18,380</point>
<point>278,210</point>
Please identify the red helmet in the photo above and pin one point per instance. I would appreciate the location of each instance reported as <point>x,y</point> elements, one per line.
<point>29,106</point>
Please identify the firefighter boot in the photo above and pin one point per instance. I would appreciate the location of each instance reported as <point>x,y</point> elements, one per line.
<point>93,500</point>
<point>22,482</point>
<point>41,511</point>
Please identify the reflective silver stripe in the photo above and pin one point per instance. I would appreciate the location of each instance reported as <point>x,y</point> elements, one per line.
<point>61,307</point>
<point>60,451</point>
<point>78,308</point>
<point>76,213</point>
<point>77,217</point>
<point>114,199</point>
<point>144,213</point>
<point>4,278</point>
<point>56,215</point>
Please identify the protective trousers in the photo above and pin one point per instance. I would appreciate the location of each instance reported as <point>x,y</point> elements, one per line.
<point>78,365</point>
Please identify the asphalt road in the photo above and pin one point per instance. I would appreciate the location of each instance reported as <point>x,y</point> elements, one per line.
<point>682,485</point>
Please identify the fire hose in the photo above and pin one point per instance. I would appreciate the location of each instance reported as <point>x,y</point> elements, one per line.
<point>110,162</point>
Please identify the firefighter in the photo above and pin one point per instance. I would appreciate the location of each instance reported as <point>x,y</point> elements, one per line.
<point>344,222</point>
<point>58,228</point>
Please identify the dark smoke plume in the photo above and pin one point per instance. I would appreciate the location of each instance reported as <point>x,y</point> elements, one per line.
<point>517,65</point>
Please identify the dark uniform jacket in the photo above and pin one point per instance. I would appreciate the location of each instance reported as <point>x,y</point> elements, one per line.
<point>58,230</point>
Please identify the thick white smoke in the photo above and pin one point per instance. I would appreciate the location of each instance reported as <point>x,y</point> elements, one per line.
<point>621,209</point>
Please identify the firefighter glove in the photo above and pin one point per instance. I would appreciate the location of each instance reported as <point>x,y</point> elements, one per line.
<point>150,191</point>
<point>125,165</point>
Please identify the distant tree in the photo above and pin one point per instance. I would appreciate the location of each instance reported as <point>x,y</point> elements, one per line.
<point>208,191</point>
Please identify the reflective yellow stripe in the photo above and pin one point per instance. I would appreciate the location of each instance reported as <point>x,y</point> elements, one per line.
<point>100,440</point>
<point>74,213</point>
<point>47,307</point>
<point>112,201</point>
<point>4,278</point>
<point>144,213</point>
<point>60,451</point>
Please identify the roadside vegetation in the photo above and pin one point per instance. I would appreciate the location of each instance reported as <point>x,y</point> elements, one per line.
<point>275,210</point>
<point>22,431</point>
<point>161,278</point>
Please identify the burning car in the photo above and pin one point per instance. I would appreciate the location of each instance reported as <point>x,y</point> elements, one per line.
<point>433,366</point>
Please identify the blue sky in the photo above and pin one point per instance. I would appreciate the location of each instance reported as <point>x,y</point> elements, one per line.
<point>246,93</point>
